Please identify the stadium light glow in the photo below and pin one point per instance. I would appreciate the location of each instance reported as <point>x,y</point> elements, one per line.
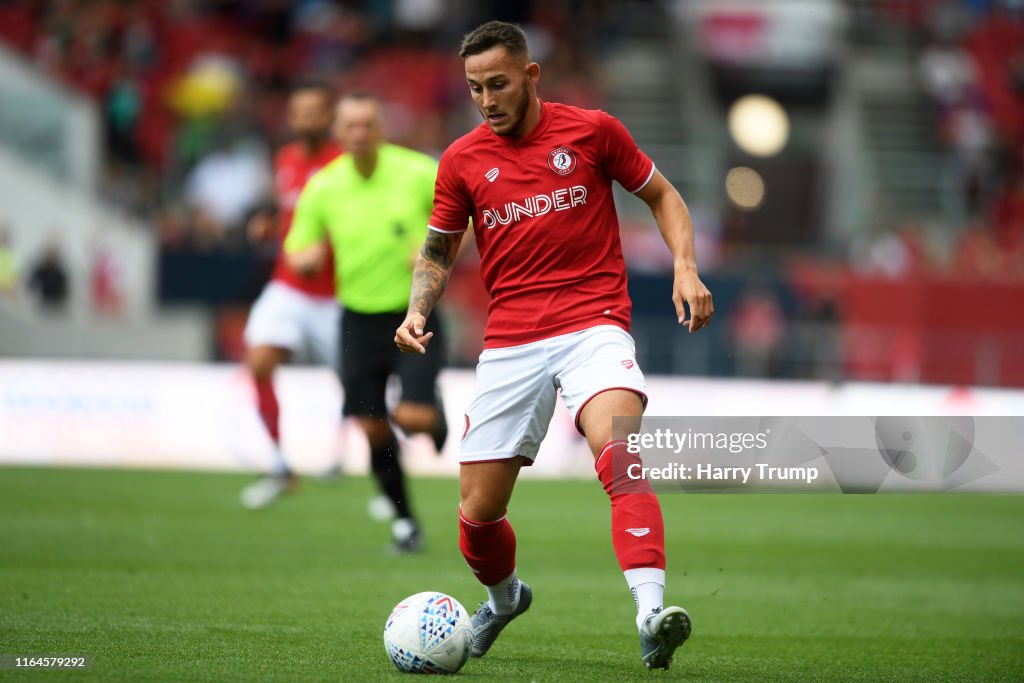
<point>759,125</point>
<point>745,188</point>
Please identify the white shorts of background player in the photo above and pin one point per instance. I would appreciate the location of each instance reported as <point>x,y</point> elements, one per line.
<point>286,318</point>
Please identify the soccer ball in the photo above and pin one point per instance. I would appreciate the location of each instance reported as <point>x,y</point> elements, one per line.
<point>428,633</point>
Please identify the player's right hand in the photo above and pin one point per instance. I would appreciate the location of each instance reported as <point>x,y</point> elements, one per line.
<point>688,289</point>
<point>409,336</point>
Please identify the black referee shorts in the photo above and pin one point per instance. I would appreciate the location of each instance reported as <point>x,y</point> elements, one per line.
<point>369,356</point>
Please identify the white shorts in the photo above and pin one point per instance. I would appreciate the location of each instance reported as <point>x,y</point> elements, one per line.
<point>286,318</point>
<point>516,387</point>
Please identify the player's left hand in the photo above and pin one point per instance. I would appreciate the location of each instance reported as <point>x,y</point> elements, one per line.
<point>688,288</point>
<point>262,226</point>
<point>409,336</point>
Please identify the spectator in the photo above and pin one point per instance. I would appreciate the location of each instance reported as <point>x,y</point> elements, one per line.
<point>895,253</point>
<point>226,184</point>
<point>977,254</point>
<point>971,167</point>
<point>758,327</point>
<point>105,283</point>
<point>49,280</point>
<point>948,72</point>
<point>122,108</point>
<point>419,20</point>
<point>8,266</point>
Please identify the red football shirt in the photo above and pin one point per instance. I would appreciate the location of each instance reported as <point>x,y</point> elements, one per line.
<point>544,220</point>
<point>292,168</point>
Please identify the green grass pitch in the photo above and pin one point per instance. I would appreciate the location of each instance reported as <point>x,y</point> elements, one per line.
<point>163,576</point>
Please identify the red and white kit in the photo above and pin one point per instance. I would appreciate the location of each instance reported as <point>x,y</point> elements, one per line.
<point>293,310</point>
<point>548,235</point>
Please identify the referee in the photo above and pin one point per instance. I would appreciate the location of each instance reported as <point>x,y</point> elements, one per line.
<point>373,204</point>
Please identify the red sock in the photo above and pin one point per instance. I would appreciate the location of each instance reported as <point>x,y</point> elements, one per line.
<point>269,411</point>
<point>489,549</point>
<point>638,532</point>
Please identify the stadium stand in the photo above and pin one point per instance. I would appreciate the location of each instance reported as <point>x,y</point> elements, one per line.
<point>932,194</point>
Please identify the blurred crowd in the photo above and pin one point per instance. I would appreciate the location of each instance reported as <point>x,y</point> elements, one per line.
<point>192,96</point>
<point>973,69</point>
<point>970,60</point>
<point>46,279</point>
<point>192,91</point>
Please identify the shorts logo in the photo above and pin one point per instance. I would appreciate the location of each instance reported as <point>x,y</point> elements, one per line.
<point>628,364</point>
<point>492,175</point>
<point>562,161</point>
<point>466,430</point>
<point>639,532</point>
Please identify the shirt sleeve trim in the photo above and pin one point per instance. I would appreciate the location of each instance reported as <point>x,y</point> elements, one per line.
<point>447,232</point>
<point>644,183</point>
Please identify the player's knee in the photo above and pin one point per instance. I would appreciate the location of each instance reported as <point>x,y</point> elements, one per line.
<point>261,371</point>
<point>261,363</point>
<point>610,416</point>
<point>485,488</point>
<point>414,417</point>
<point>481,508</point>
<point>598,433</point>
<point>484,503</point>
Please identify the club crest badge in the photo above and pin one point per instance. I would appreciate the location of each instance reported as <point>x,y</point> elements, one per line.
<point>562,161</point>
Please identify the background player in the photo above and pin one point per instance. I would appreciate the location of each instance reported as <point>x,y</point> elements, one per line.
<point>295,311</point>
<point>559,317</point>
<point>373,203</point>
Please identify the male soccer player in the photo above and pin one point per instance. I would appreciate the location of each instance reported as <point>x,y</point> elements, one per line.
<point>535,178</point>
<point>295,311</point>
<point>373,203</point>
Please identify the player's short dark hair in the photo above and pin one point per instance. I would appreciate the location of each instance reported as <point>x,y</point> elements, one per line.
<point>313,85</point>
<point>494,33</point>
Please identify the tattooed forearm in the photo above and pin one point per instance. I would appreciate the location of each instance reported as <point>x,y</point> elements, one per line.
<point>433,266</point>
<point>439,248</point>
<point>428,283</point>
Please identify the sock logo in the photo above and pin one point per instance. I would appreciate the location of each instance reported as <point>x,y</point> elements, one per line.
<point>639,532</point>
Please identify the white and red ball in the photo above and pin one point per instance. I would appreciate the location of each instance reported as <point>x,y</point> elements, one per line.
<point>428,632</point>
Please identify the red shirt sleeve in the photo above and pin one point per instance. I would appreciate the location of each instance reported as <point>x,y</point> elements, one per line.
<point>452,205</point>
<point>623,160</point>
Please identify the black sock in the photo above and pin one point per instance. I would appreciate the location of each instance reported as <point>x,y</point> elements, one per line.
<point>388,472</point>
